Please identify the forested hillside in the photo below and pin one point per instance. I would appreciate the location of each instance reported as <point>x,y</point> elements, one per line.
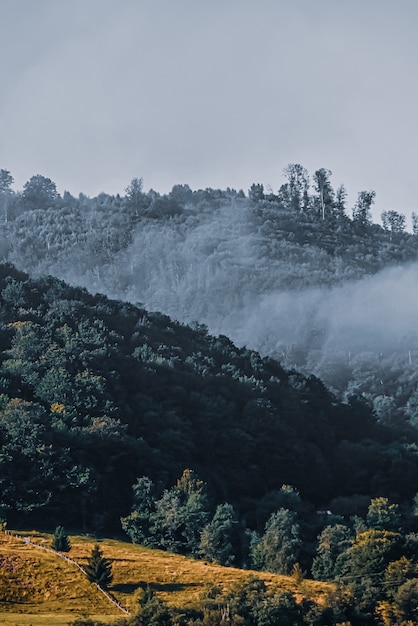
<point>294,274</point>
<point>96,393</point>
<point>113,417</point>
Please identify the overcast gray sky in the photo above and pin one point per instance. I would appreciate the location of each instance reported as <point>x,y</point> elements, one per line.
<point>211,93</point>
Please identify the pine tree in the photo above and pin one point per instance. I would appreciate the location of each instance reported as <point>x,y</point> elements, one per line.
<point>60,541</point>
<point>99,569</point>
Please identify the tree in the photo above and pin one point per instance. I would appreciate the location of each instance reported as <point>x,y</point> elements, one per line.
<point>362,566</point>
<point>243,596</point>
<point>406,599</point>
<point>324,189</point>
<point>294,194</point>
<point>393,221</point>
<point>340,200</point>
<point>151,611</point>
<point>216,541</point>
<point>175,521</point>
<point>397,573</point>
<point>256,193</point>
<point>99,569</point>
<point>136,199</point>
<point>60,540</point>
<point>382,515</point>
<point>137,524</point>
<point>332,542</point>
<point>180,514</point>
<point>39,193</point>
<point>278,609</point>
<point>279,548</point>
<point>182,194</point>
<point>287,497</point>
<point>27,476</point>
<point>414,217</point>
<point>6,181</point>
<point>193,508</point>
<point>361,211</point>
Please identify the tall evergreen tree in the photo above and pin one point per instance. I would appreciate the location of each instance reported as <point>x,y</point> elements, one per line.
<point>99,569</point>
<point>60,540</point>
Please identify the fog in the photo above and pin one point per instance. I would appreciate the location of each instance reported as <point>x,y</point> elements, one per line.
<point>374,313</point>
<point>223,264</point>
<point>216,269</point>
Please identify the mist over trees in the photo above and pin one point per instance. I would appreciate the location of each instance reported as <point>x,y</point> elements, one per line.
<point>295,274</point>
<point>96,394</point>
<point>103,404</point>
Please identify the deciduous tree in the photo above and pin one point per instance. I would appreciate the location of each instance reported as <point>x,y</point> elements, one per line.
<point>361,211</point>
<point>39,192</point>
<point>382,515</point>
<point>332,542</point>
<point>325,191</point>
<point>393,221</point>
<point>279,547</point>
<point>216,542</point>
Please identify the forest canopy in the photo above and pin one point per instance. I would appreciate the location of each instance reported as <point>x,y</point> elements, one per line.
<point>295,274</point>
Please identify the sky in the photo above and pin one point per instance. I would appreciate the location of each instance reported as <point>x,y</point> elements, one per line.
<point>213,94</point>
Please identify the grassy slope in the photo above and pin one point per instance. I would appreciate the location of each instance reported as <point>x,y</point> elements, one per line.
<point>37,587</point>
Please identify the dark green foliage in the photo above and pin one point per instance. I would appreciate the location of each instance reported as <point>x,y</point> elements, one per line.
<point>252,604</point>
<point>137,525</point>
<point>97,392</point>
<point>151,611</point>
<point>94,392</point>
<point>246,604</point>
<point>406,599</point>
<point>397,574</point>
<point>361,567</point>
<point>60,540</point>
<point>280,609</point>
<point>99,569</point>
<point>172,522</point>
<point>332,542</point>
<point>279,548</point>
<point>219,536</point>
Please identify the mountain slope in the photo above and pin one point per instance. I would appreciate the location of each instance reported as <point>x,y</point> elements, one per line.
<point>37,582</point>
<point>96,393</point>
<point>288,274</point>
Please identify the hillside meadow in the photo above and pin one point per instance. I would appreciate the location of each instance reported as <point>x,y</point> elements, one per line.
<point>38,587</point>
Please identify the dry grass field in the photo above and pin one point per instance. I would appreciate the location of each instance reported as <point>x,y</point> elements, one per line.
<point>39,588</point>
